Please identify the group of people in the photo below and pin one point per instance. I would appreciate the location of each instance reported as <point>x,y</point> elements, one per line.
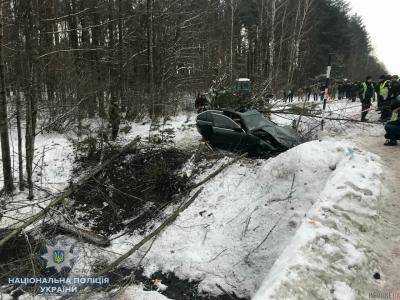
<point>387,93</point>
<point>347,89</point>
<point>337,90</point>
<point>307,93</point>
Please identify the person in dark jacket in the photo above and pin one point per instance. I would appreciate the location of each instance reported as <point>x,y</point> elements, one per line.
<point>200,103</point>
<point>341,90</point>
<point>367,93</point>
<point>394,89</point>
<point>393,127</point>
<point>354,91</point>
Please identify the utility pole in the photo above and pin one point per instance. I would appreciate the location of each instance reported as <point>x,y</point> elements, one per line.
<point>327,83</point>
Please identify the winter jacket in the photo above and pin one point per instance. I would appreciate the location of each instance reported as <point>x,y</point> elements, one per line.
<point>383,89</point>
<point>354,90</point>
<point>394,89</point>
<point>367,91</point>
<point>395,117</point>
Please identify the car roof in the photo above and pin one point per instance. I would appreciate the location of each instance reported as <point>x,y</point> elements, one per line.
<point>250,113</point>
<point>231,111</point>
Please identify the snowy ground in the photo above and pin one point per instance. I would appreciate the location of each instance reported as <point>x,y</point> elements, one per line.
<point>327,252</point>
<point>295,223</point>
<point>243,220</point>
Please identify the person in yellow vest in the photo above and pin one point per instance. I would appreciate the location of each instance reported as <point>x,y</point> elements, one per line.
<point>367,93</point>
<point>383,97</point>
<point>393,126</point>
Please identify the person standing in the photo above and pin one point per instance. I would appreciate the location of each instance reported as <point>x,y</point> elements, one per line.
<point>383,97</point>
<point>367,93</point>
<point>315,92</point>
<point>394,89</point>
<point>354,91</point>
<point>393,127</point>
<point>290,95</point>
<point>308,92</point>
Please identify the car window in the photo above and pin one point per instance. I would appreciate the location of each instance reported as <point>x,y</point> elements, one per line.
<point>242,86</point>
<point>202,116</point>
<point>256,120</point>
<point>205,117</point>
<point>222,121</point>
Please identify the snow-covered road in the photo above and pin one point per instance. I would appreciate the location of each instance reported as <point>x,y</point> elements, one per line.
<point>387,237</point>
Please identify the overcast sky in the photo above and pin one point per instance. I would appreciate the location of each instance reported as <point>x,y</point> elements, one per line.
<point>382,19</point>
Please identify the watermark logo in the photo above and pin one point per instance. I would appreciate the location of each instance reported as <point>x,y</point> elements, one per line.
<point>58,257</point>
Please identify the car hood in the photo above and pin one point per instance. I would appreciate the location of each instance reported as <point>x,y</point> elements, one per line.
<point>286,136</point>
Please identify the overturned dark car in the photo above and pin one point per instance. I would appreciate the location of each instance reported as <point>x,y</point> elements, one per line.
<point>246,131</point>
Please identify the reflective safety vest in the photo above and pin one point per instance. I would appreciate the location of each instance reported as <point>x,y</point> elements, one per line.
<point>364,90</point>
<point>395,117</point>
<point>384,89</point>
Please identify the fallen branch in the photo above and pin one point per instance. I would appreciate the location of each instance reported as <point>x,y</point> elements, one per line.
<point>86,235</point>
<point>60,199</point>
<point>147,238</point>
<point>224,291</point>
<point>247,257</point>
<point>170,219</point>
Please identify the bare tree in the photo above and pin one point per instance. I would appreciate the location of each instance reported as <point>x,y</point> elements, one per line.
<point>233,6</point>
<point>5,144</point>
<point>31,97</point>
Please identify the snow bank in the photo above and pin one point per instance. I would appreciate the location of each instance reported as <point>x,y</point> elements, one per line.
<point>246,217</point>
<point>331,243</point>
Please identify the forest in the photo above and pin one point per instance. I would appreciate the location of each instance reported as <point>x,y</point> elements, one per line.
<point>66,60</point>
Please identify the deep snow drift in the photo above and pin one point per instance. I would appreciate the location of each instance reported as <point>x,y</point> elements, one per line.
<point>330,249</point>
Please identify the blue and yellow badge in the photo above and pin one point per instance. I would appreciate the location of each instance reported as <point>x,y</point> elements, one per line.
<point>58,257</point>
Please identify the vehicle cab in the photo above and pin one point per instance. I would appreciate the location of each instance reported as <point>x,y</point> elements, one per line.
<point>242,88</point>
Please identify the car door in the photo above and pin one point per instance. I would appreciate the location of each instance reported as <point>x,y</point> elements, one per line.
<point>227,133</point>
<point>204,124</point>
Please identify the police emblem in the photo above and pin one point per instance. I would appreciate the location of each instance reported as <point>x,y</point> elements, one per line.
<point>58,257</point>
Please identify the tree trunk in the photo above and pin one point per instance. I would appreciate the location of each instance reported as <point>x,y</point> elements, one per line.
<point>150,45</point>
<point>5,143</point>
<point>233,8</point>
<point>293,47</point>
<point>271,61</point>
<point>120,56</point>
<point>31,102</point>
<point>19,133</point>
<point>114,111</point>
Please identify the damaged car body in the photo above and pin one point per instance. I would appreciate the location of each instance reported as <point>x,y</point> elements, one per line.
<point>245,131</point>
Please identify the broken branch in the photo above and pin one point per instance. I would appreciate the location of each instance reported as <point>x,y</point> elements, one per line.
<point>171,218</point>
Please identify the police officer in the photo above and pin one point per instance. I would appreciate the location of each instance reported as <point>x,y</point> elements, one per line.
<point>393,127</point>
<point>383,97</point>
<point>394,89</point>
<point>366,94</point>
